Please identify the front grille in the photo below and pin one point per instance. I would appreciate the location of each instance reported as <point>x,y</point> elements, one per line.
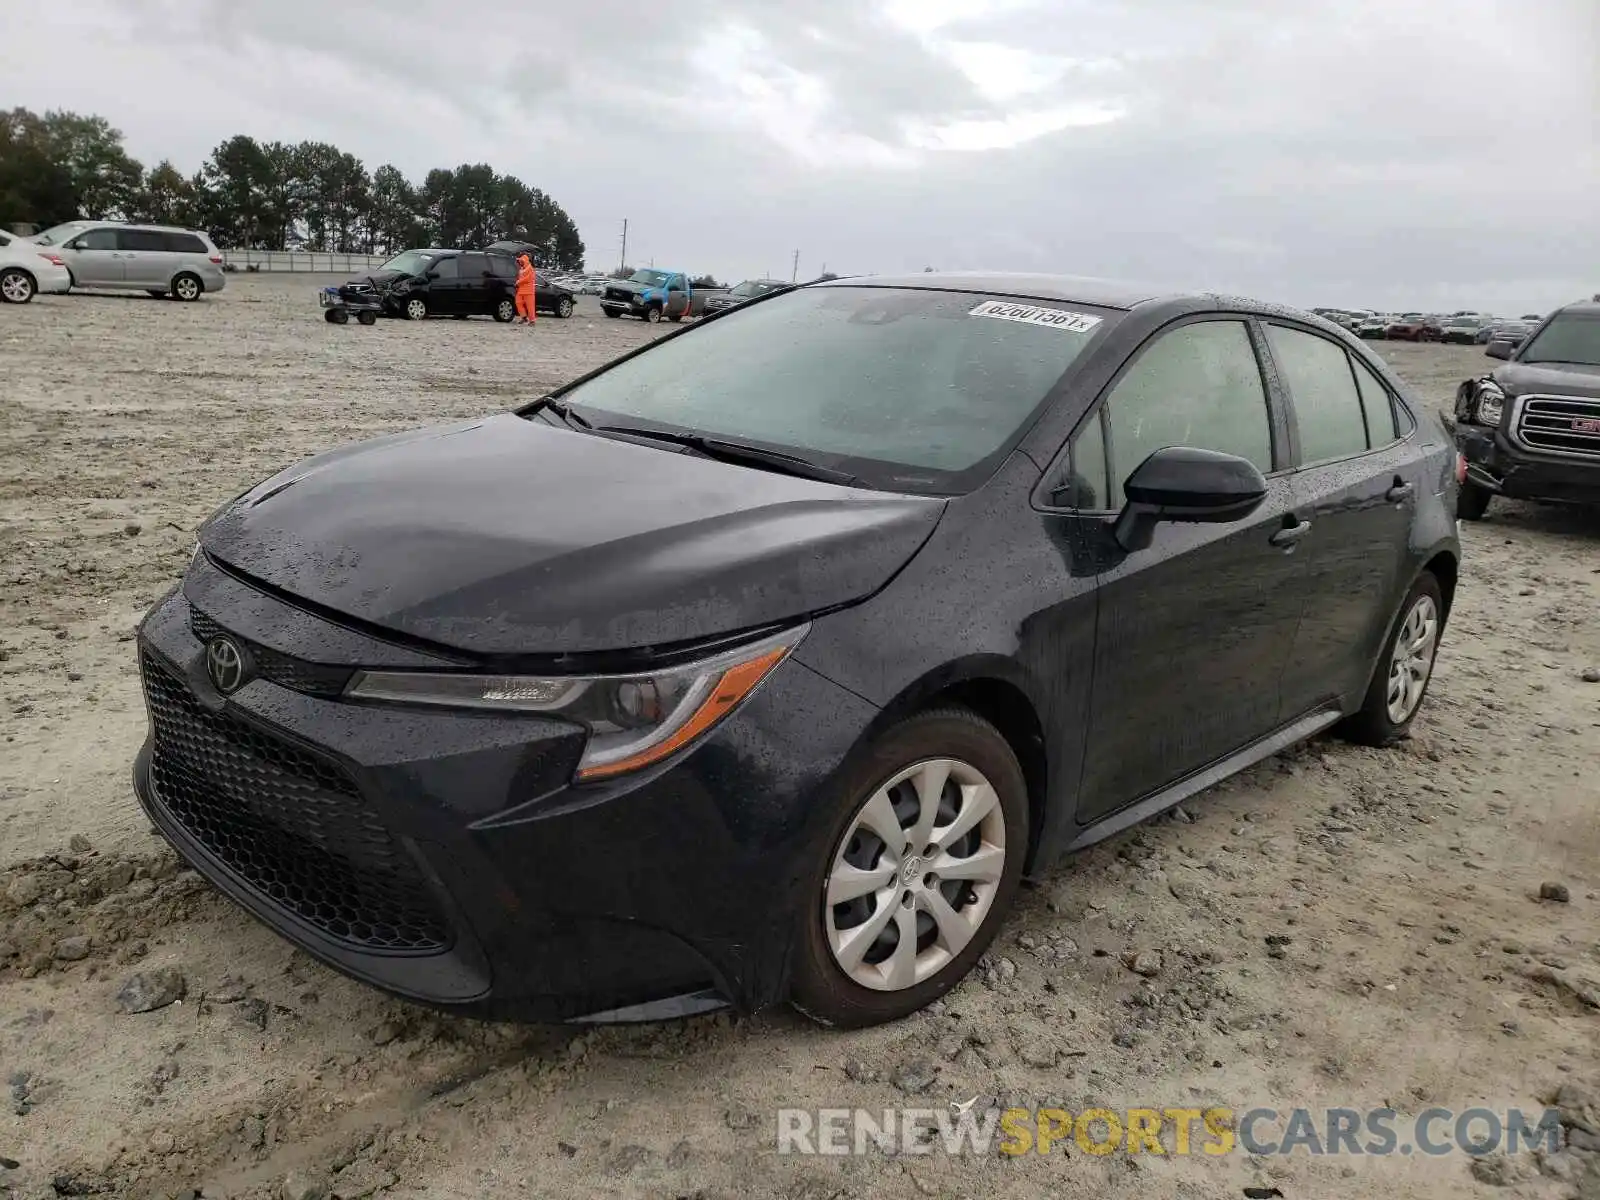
<point>288,823</point>
<point>315,679</point>
<point>619,294</point>
<point>1568,425</point>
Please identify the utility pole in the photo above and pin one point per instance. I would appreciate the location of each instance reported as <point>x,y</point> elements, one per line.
<point>794,273</point>
<point>624,261</point>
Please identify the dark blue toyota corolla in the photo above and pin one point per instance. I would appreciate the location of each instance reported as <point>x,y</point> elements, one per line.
<point>762,663</point>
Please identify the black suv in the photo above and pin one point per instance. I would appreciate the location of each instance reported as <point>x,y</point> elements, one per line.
<point>454,283</point>
<point>1531,428</point>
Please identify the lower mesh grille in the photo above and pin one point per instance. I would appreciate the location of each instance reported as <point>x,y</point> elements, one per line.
<point>288,823</point>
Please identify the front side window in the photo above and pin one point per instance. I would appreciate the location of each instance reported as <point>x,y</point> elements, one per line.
<point>908,389</point>
<point>1327,406</point>
<point>443,268</point>
<point>98,239</point>
<point>1199,385</point>
<point>1569,338</point>
<point>648,278</point>
<point>1086,486</point>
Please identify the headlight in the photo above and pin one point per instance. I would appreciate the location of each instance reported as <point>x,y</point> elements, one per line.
<point>1490,404</point>
<point>633,720</point>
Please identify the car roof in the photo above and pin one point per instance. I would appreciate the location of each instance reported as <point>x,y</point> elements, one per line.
<point>1588,308</point>
<point>1102,293</point>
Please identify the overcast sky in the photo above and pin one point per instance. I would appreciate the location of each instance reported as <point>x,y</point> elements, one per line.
<point>1433,154</point>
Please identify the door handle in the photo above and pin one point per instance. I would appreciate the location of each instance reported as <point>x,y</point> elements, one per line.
<point>1290,534</point>
<point>1400,491</point>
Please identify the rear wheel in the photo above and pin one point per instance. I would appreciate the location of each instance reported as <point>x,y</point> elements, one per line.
<point>187,287</point>
<point>416,308</point>
<point>336,316</point>
<point>922,864</point>
<point>1473,501</point>
<point>367,317</point>
<point>16,286</point>
<point>1404,670</point>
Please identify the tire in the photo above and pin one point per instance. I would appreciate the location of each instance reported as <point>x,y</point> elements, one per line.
<point>564,307</point>
<point>17,286</point>
<point>1472,501</point>
<point>415,308</point>
<point>186,286</point>
<point>367,317</point>
<point>1376,723</point>
<point>675,318</point>
<point>653,314</point>
<point>335,316</point>
<point>505,311</point>
<point>970,749</point>
<point>611,312</point>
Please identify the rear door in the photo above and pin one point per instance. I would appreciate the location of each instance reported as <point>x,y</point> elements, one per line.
<point>1194,630</point>
<point>95,259</point>
<point>503,268</point>
<point>476,283</point>
<point>145,260</point>
<point>1358,485</point>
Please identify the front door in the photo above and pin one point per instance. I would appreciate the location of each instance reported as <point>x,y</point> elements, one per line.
<point>94,259</point>
<point>1192,631</point>
<point>444,285</point>
<point>677,296</point>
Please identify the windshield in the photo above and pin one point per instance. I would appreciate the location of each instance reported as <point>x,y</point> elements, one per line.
<point>751,287</point>
<point>409,262</point>
<point>1463,322</point>
<point>57,234</point>
<point>908,390</point>
<point>648,278</point>
<point>1569,338</point>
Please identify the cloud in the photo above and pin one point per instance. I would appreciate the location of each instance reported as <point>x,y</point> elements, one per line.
<point>1326,151</point>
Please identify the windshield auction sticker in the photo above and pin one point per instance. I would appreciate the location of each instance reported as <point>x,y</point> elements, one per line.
<point>1029,314</point>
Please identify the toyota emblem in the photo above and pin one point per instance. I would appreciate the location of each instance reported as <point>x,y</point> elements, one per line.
<point>225,664</point>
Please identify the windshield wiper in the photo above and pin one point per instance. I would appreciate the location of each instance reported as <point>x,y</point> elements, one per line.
<point>562,410</point>
<point>736,452</point>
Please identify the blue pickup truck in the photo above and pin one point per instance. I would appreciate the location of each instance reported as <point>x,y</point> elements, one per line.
<point>651,295</point>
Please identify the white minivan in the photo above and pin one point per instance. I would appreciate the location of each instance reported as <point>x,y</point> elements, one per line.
<point>159,259</point>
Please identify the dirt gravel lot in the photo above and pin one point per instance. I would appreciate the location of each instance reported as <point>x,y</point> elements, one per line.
<point>1337,927</point>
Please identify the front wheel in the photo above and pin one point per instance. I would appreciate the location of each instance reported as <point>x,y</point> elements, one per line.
<point>611,312</point>
<point>416,308</point>
<point>336,316</point>
<point>564,307</point>
<point>1404,670</point>
<point>16,286</point>
<point>504,311</point>
<point>653,314</point>
<point>921,865</point>
<point>187,287</point>
<point>1473,501</point>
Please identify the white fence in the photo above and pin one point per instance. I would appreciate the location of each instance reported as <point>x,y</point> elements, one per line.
<point>309,261</point>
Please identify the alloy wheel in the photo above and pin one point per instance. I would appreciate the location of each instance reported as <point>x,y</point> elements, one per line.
<point>16,287</point>
<point>915,875</point>
<point>1411,661</point>
<point>186,287</point>
<point>416,308</point>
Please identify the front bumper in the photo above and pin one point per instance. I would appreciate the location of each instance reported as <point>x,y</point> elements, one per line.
<point>446,856</point>
<point>1499,466</point>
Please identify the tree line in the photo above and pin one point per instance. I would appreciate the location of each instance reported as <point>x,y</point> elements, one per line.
<point>62,166</point>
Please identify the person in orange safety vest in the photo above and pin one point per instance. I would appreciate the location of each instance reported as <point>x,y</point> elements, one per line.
<point>526,286</point>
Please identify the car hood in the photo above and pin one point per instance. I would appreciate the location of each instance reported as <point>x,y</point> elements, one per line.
<point>510,536</point>
<point>1562,379</point>
<point>380,278</point>
<point>626,285</point>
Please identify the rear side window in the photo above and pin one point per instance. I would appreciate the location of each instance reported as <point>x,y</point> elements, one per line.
<point>142,241</point>
<point>1383,424</point>
<point>502,267</point>
<point>473,266</point>
<point>185,243</point>
<point>1199,385</point>
<point>1327,406</point>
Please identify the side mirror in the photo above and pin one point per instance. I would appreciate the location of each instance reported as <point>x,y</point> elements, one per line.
<point>1500,348</point>
<point>1181,483</point>
<point>74,244</point>
<point>433,275</point>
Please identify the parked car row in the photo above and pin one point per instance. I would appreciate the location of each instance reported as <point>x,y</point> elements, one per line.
<point>1464,328</point>
<point>438,282</point>
<point>160,259</point>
